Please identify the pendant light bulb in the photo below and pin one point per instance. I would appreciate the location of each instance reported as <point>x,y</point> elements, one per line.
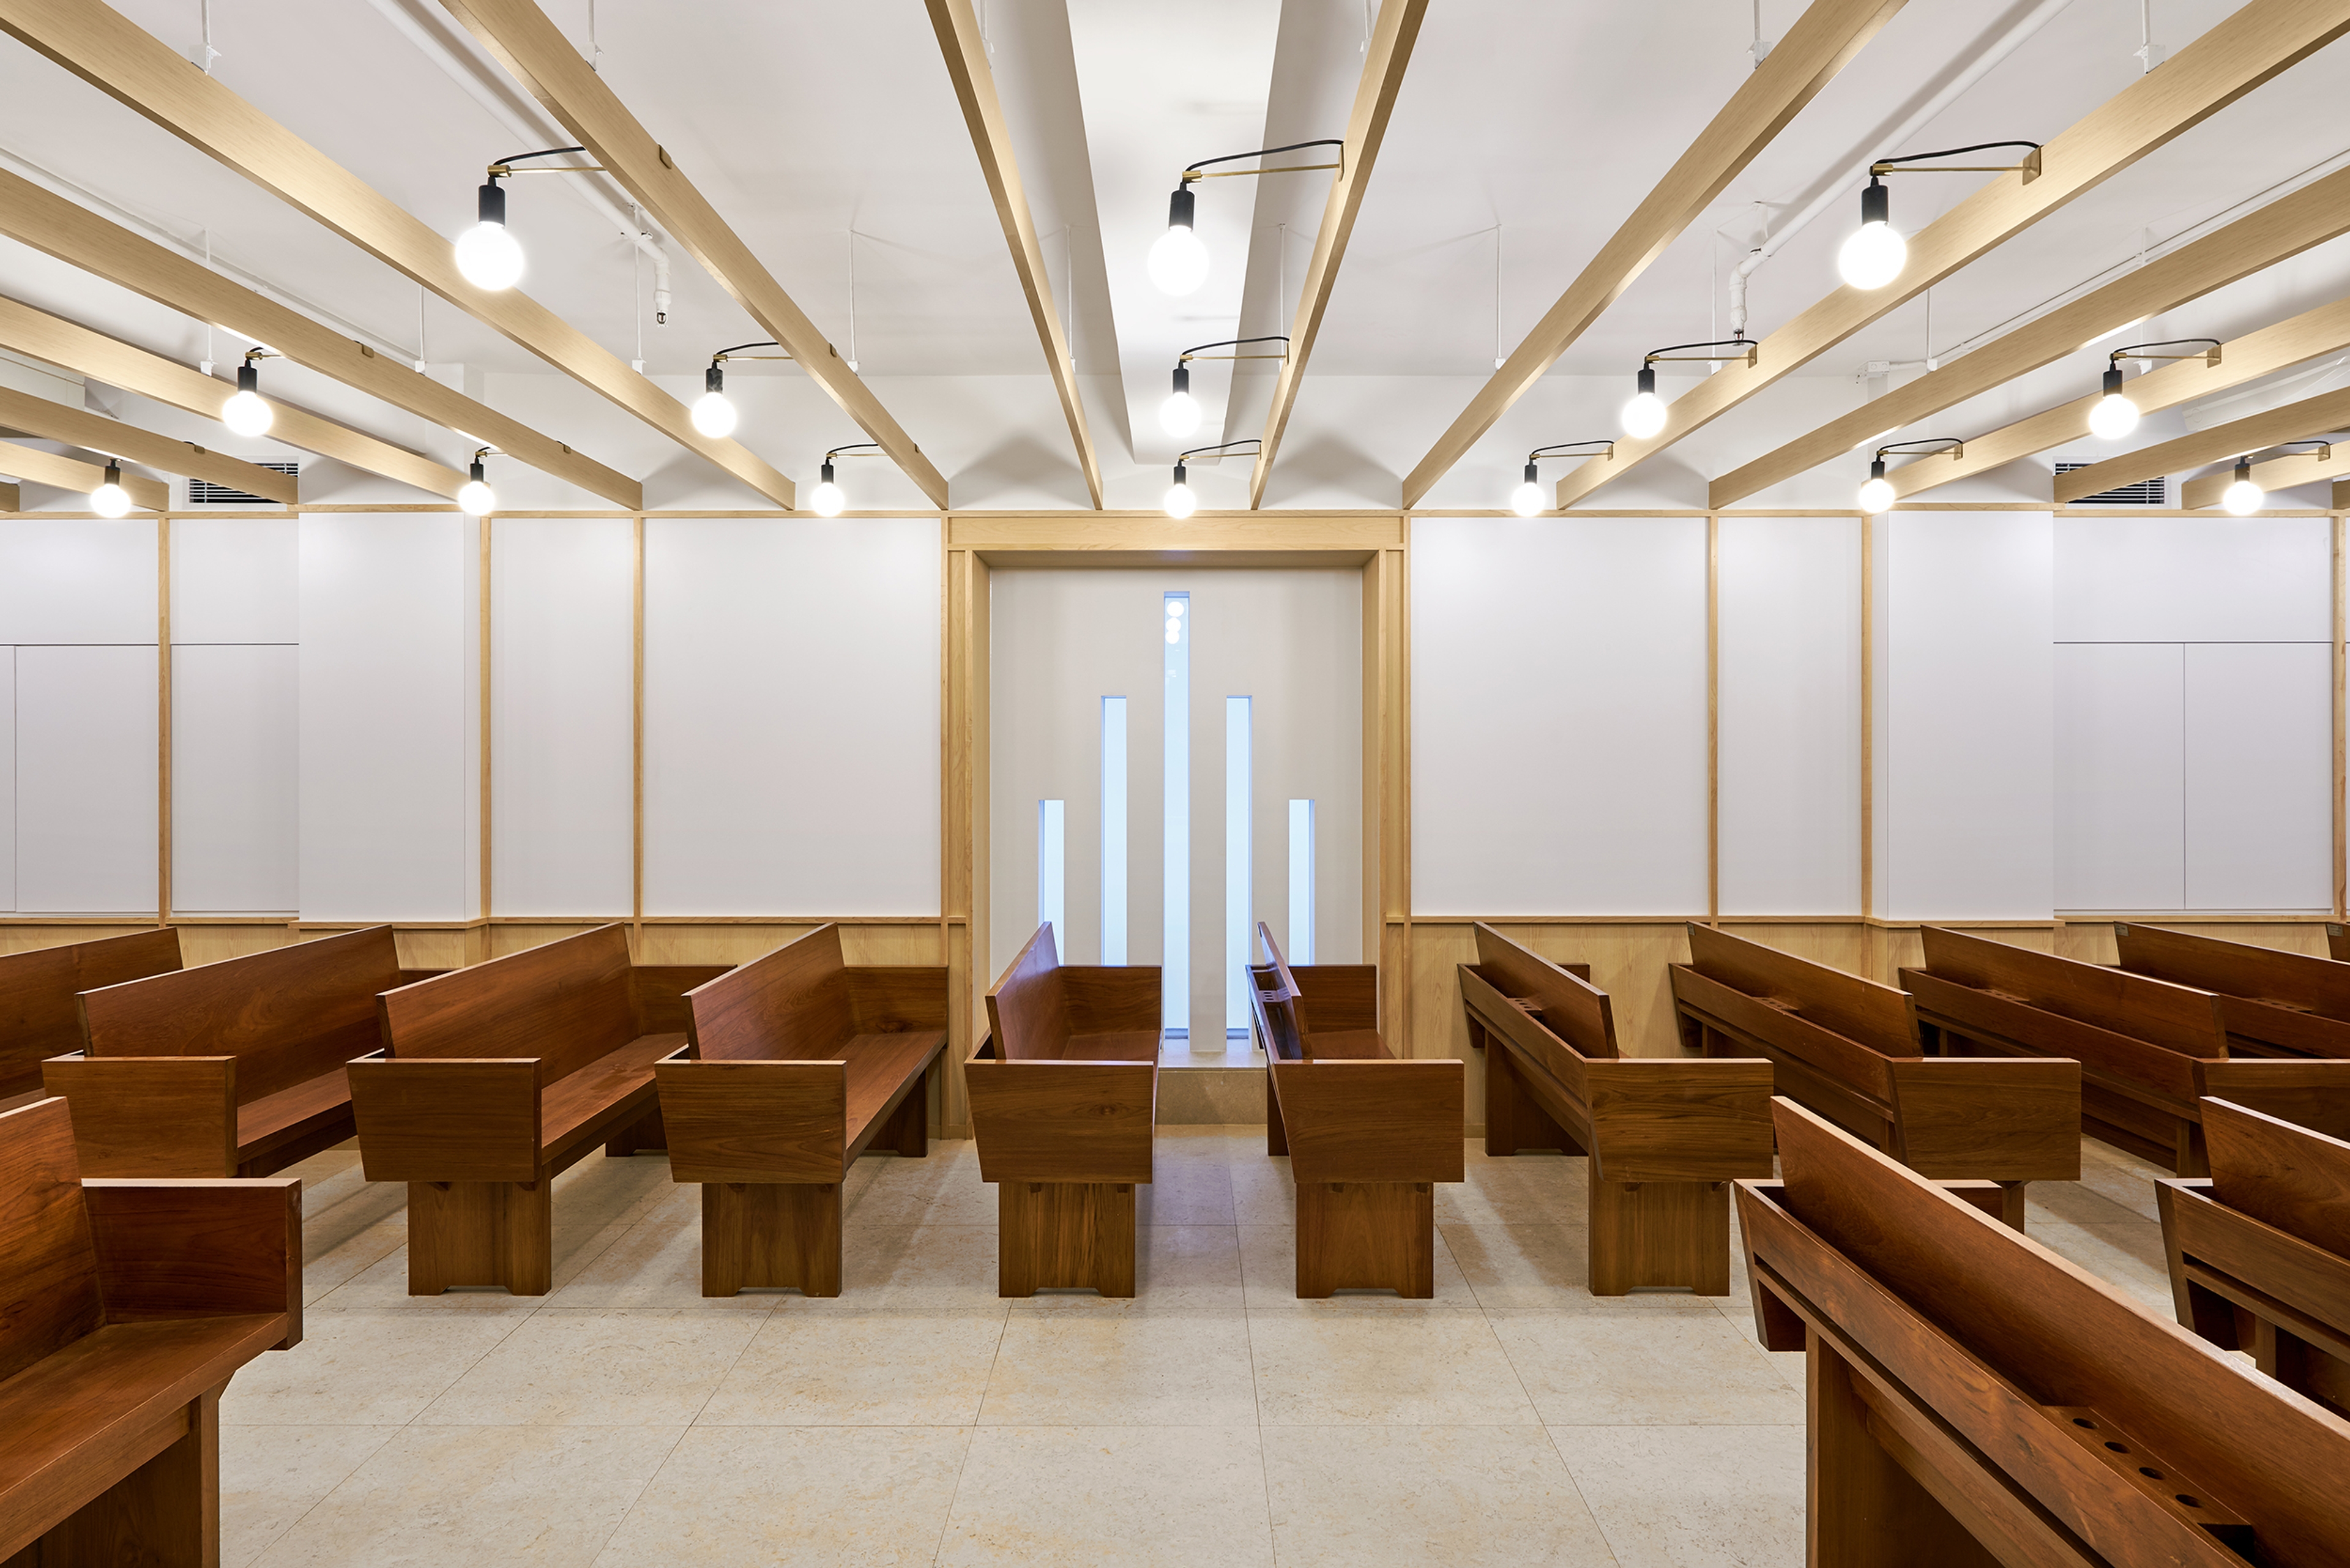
<point>2113,416</point>
<point>2242,497</point>
<point>1876,491</point>
<point>109,499</point>
<point>487,254</point>
<point>246,411</point>
<point>828,500</point>
<point>1527,499</point>
<point>1179,502</point>
<point>477,499</point>
<point>712,414</point>
<point>1179,262</point>
<point>1875,253</point>
<point>1644,416</point>
<point>1180,414</point>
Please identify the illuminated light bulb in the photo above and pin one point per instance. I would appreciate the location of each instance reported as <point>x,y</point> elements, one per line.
<point>1179,262</point>
<point>1180,414</point>
<point>1526,499</point>
<point>828,499</point>
<point>2242,497</point>
<point>2113,416</point>
<point>1644,416</point>
<point>247,412</point>
<point>1179,502</point>
<point>1872,255</point>
<point>1876,491</point>
<point>487,255</point>
<point>109,499</point>
<point>713,415</point>
<point>477,499</point>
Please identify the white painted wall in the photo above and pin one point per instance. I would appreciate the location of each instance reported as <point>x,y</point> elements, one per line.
<point>2259,772</point>
<point>236,770</point>
<point>86,779</point>
<point>2121,786</point>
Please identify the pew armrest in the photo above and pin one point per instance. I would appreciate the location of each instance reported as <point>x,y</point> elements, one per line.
<point>198,1248</point>
<point>2002,1119</point>
<point>443,1119</point>
<point>755,1121</point>
<point>1373,1121</point>
<point>1658,1119</point>
<point>1063,1121</point>
<point>148,1116</point>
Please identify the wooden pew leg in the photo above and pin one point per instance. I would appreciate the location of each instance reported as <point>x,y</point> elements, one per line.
<point>907,1130</point>
<point>1864,1509</point>
<point>1659,1233</point>
<point>1366,1235</point>
<point>1053,1235</point>
<point>1512,1120</point>
<point>644,1135</point>
<point>165,1513</point>
<point>2011,1205</point>
<point>1276,1131</point>
<point>770,1235</point>
<point>480,1233</point>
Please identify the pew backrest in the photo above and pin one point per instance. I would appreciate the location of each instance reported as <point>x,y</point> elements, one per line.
<point>38,1014</point>
<point>2301,982</point>
<point>1877,1016</point>
<point>792,1004</point>
<point>48,1256</point>
<point>1326,998</point>
<point>2176,1017</point>
<point>1578,1012</point>
<point>2281,1174</point>
<point>1028,1010</point>
<point>567,1003</point>
<point>288,1014</point>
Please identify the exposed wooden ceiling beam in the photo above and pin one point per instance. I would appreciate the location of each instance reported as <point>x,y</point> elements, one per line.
<point>530,46</point>
<point>137,70</point>
<point>2278,472</point>
<point>2243,359</point>
<point>109,360</point>
<point>2254,432</point>
<point>74,233</point>
<point>78,427</point>
<point>72,473</point>
<point>1821,43</point>
<point>2286,227</point>
<point>2230,59</point>
<point>974,85</point>
<point>1385,57</point>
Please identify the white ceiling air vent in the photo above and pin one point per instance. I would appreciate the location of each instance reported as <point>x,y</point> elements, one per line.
<point>204,493</point>
<point>2145,492</point>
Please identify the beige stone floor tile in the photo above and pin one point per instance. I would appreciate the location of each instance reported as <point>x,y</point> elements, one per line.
<point>1055,1369</point>
<point>359,1370</point>
<point>1693,1497</point>
<point>752,1496</point>
<point>2128,1257</point>
<point>1515,1189</point>
<point>1269,1272</point>
<point>2079,1203</point>
<point>1180,1271</point>
<point>567,1370</point>
<point>933,1268</point>
<point>1141,1496</point>
<point>1186,1189</point>
<point>942,1188</point>
<point>1443,1497</point>
<point>335,1259</point>
<point>382,1286</point>
<point>1643,1361</point>
<point>2120,1176</point>
<point>652,1267</point>
<point>1445,1369</point>
<point>1522,1266</point>
<point>601,1190</point>
<point>1263,1191</point>
<point>271,1476</point>
<point>458,1496</point>
<point>859,1368</point>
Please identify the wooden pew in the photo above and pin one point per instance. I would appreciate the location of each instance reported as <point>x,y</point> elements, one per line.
<point>2260,1251</point>
<point>234,1068</point>
<point>38,1018</point>
<point>493,1080</point>
<point>796,1064</point>
<point>1664,1137</point>
<point>125,1309</point>
<point>2149,1050</point>
<point>2275,1004</point>
<point>1063,1094</point>
<point>1976,1399</point>
<point>1848,1049</point>
<point>1368,1135</point>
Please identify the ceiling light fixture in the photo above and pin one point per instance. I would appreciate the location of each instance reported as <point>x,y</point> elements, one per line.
<point>109,499</point>
<point>1873,254</point>
<point>1179,416</point>
<point>1644,415</point>
<point>487,254</point>
<point>1177,261</point>
<point>1180,501</point>
<point>247,412</point>
<point>1876,490</point>
<point>712,414</point>
<point>828,500</point>
<point>2244,495</point>
<point>476,498</point>
<point>1527,498</point>
<point>2114,416</point>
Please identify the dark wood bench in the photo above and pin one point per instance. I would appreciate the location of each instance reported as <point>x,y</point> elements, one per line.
<point>2149,1050</point>
<point>1063,1094</point>
<point>796,1064</point>
<point>1849,1049</point>
<point>1368,1135</point>
<point>2260,1251</point>
<point>493,1080</point>
<point>2275,1004</point>
<point>1973,1398</point>
<point>39,1016</point>
<point>1664,1136</point>
<point>129,1305</point>
<point>234,1068</point>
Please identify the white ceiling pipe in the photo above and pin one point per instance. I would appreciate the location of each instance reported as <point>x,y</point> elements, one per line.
<point>467,74</point>
<point>1982,64</point>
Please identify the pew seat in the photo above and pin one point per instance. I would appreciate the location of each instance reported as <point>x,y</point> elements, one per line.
<point>39,1017</point>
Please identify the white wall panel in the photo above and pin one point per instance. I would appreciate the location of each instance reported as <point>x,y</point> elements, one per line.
<point>8,779</point>
<point>1790,715</point>
<point>78,580</point>
<point>2194,579</point>
<point>1966,742</point>
<point>2260,771</point>
<point>1558,715</point>
<point>2121,809</point>
<point>236,765</point>
<point>792,672</point>
<point>86,830</point>
<point>235,579</point>
<point>387,716</point>
<point>562,664</point>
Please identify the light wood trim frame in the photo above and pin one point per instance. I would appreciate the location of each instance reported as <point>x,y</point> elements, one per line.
<point>1712,719</point>
<point>1822,42</point>
<point>974,83</point>
<point>139,72</point>
<point>487,731</point>
<point>2277,473</point>
<point>2341,733</point>
<point>529,45</point>
<point>2235,56</point>
<point>38,416</point>
<point>2293,421</point>
<point>163,721</point>
<point>1385,54</point>
<point>636,732</point>
<point>72,473</point>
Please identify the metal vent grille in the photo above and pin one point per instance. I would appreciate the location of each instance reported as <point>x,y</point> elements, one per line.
<point>2145,492</point>
<point>204,493</point>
